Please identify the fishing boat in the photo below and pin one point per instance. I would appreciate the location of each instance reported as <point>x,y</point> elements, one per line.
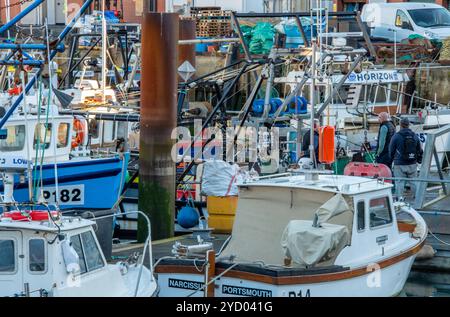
<point>43,253</point>
<point>61,257</point>
<point>297,235</point>
<point>65,170</point>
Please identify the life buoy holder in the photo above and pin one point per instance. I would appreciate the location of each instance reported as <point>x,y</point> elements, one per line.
<point>80,133</point>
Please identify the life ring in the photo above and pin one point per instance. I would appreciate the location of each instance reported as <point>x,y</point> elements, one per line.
<point>33,215</point>
<point>80,132</point>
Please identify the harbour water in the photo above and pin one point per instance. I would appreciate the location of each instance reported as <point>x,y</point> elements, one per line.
<point>425,284</point>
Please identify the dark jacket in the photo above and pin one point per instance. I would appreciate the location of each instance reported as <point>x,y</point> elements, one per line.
<point>383,156</point>
<point>306,143</point>
<point>397,146</point>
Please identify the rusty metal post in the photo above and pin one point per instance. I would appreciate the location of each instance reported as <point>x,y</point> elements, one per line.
<point>187,52</point>
<point>158,119</point>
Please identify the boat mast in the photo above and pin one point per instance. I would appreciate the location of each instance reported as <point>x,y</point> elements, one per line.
<point>104,39</point>
<point>27,137</point>
<point>312,153</point>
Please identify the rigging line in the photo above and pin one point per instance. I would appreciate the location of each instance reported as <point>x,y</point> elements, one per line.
<point>434,236</point>
<point>412,96</point>
<point>39,106</point>
<point>54,136</point>
<point>25,110</point>
<point>442,141</point>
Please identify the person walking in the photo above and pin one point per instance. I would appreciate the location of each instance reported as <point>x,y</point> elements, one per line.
<point>306,143</point>
<point>406,152</point>
<point>385,134</point>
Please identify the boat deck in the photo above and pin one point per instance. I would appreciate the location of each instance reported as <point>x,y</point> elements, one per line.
<point>163,248</point>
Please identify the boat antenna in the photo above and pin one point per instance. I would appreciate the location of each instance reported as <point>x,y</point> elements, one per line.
<point>104,39</point>
<point>312,151</point>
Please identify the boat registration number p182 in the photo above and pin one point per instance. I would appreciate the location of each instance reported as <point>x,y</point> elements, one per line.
<point>67,195</point>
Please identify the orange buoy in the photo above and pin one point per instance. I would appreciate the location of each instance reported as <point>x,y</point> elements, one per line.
<point>80,133</point>
<point>326,145</point>
<point>15,91</point>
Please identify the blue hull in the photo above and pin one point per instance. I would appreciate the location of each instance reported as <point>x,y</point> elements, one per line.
<point>82,184</point>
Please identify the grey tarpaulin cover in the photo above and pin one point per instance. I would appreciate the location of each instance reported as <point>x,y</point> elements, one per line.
<point>333,207</point>
<point>263,214</point>
<point>307,245</point>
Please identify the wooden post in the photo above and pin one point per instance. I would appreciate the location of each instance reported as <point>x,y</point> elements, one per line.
<point>210,274</point>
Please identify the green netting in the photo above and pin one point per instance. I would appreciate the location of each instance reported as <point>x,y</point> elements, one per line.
<point>262,38</point>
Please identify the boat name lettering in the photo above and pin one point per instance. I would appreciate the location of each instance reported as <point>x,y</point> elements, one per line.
<point>244,291</point>
<point>185,284</point>
<point>15,161</point>
<point>373,76</point>
<point>300,293</point>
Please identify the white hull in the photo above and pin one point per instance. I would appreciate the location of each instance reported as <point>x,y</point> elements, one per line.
<point>387,282</point>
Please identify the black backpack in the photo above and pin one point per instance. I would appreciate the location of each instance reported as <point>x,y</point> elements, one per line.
<point>409,147</point>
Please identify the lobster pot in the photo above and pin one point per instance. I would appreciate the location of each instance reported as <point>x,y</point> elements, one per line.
<point>326,145</point>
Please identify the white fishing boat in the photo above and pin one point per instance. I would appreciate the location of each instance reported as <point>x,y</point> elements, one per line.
<point>43,253</point>
<point>61,257</point>
<point>296,235</point>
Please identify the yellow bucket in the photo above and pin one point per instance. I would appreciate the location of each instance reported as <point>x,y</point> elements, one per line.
<point>222,211</point>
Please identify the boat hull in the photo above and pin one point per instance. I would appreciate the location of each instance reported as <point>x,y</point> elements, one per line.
<point>82,184</point>
<point>384,282</point>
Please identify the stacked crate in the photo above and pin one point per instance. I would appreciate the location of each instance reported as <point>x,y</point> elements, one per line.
<point>212,21</point>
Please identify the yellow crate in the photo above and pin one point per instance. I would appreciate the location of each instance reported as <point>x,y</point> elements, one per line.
<point>221,223</point>
<point>222,205</point>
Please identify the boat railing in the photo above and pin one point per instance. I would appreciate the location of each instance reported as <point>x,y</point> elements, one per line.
<point>268,177</point>
<point>147,245</point>
<point>348,187</point>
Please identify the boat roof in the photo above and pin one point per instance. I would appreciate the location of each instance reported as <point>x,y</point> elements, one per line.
<point>65,224</point>
<point>407,5</point>
<point>347,185</point>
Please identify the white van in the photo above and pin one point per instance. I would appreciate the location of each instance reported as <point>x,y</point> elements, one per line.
<point>397,21</point>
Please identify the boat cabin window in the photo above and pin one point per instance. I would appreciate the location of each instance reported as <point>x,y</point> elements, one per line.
<point>88,252</point>
<point>7,256</point>
<point>94,259</point>
<point>76,244</point>
<point>361,213</point>
<point>15,139</point>
<point>380,212</point>
<point>63,135</point>
<point>37,255</point>
<point>42,136</point>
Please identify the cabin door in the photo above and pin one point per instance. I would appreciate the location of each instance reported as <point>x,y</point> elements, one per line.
<point>35,263</point>
<point>11,263</point>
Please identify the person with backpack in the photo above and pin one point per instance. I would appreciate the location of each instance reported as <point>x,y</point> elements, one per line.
<point>307,141</point>
<point>385,134</point>
<point>406,152</point>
